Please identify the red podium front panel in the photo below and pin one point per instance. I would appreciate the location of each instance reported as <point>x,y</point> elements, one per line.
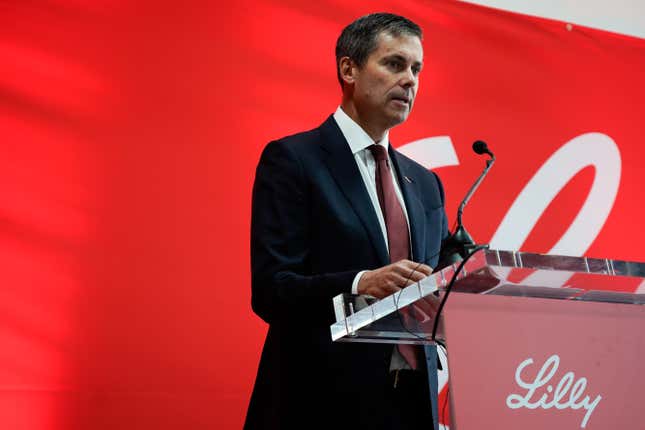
<point>531,363</point>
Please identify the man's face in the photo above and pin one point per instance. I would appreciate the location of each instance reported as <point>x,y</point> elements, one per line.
<point>386,85</point>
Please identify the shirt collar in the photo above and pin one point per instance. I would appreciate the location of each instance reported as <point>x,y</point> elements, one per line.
<point>356,137</point>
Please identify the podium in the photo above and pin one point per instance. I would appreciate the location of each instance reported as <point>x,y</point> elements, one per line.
<point>533,341</point>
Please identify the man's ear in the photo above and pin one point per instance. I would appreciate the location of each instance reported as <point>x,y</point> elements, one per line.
<point>347,69</point>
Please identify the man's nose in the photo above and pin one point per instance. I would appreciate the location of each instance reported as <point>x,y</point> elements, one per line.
<point>409,79</point>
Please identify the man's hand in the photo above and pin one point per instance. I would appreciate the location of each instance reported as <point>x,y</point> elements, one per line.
<point>389,279</point>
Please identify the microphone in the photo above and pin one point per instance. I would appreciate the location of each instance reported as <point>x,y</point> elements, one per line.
<point>480,147</point>
<point>459,244</point>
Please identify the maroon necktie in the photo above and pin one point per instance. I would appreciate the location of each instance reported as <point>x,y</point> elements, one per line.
<point>398,238</point>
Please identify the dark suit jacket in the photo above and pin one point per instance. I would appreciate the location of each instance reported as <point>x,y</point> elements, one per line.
<point>313,229</point>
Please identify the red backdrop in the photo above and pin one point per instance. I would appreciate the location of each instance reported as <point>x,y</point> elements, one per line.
<point>130,133</point>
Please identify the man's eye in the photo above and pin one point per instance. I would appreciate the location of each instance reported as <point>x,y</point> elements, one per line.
<point>394,64</point>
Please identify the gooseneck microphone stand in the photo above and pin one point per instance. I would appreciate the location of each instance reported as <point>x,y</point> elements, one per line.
<point>460,244</point>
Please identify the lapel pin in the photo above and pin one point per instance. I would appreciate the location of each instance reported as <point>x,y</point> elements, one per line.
<point>408,179</point>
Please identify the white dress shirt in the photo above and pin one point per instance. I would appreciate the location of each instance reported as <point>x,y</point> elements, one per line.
<point>359,141</point>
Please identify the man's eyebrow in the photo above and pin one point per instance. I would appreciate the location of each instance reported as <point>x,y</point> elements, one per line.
<point>398,57</point>
<point>402,58</point>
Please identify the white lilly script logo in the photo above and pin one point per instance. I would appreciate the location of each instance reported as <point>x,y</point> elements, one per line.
<point>516,401</point>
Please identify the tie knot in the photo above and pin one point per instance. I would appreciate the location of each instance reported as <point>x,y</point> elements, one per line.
<point>379,152</point>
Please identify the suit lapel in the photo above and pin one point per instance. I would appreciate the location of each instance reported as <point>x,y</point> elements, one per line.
<point>342,166</point>
<point>413,206</point>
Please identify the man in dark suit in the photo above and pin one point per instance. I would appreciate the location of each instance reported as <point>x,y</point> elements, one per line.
<point>322,225</point>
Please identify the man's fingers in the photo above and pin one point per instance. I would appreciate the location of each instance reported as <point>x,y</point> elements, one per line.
<point>390,279</point>
<point>412,266</point>
<point>411,270</point>
<point>384,290</point>
<point>404,280</point>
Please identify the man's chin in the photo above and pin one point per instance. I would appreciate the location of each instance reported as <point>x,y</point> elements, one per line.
<point>397,118</point>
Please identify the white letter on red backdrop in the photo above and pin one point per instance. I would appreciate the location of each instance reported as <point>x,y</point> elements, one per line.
<point>590,149</point>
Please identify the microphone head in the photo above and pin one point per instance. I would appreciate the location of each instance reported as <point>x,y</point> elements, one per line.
<point>480,147</point>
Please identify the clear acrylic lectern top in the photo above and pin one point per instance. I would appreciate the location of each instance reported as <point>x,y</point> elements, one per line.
<point>408,315</point>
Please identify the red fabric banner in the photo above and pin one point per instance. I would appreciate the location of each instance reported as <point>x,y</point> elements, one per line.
<point>130,134</point>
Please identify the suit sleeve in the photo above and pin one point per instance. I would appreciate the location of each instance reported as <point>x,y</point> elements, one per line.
<point>282,282</point>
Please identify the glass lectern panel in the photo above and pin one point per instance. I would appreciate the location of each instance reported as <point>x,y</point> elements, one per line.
<point>408,315</point>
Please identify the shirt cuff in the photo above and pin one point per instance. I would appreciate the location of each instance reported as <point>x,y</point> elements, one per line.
<point>357,278</point>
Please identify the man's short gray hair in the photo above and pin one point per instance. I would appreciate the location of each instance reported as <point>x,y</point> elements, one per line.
<point>358,40</point>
